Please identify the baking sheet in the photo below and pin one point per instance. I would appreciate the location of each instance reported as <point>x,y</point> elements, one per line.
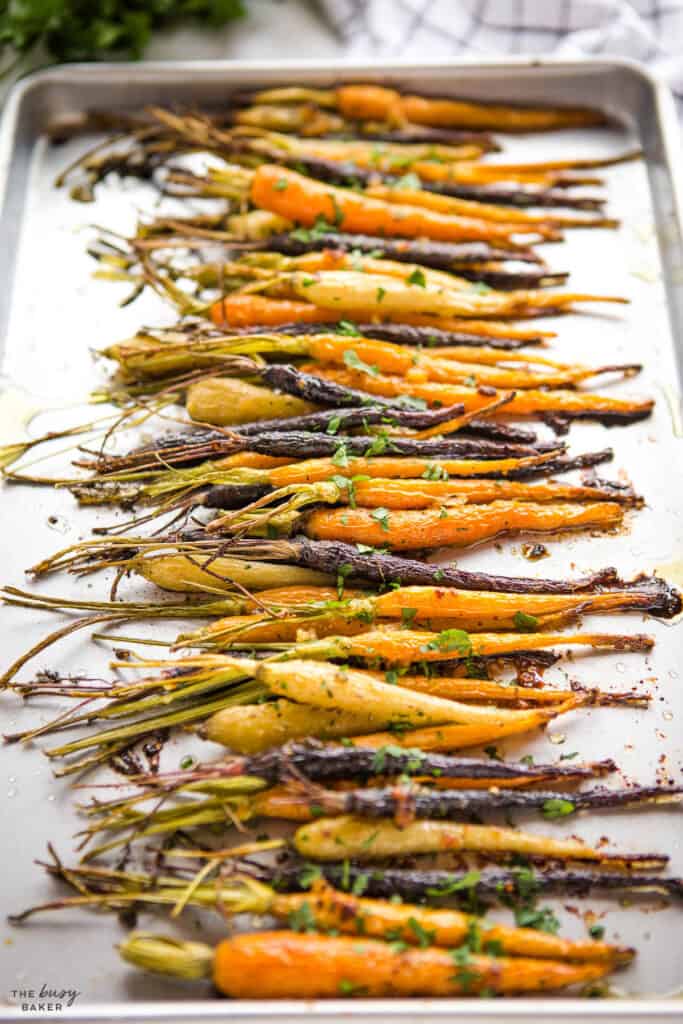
<point>52,314</point>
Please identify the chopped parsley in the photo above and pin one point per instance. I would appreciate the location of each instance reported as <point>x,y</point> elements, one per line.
<point>542,919</point>
<point>309,874</point>
<point>418,278</point>
<point>435,472</point>
<point>425,937</point>
<point>451,640</point>
<point>344,570</point>
<point>467,881</point>
<point>525,623</point>
<point>408,616</point>
<point>348,328</point>
<point>408,181</point>
<point>302,918</point>
<point>341,456</point>
<point>557,808</point>
<point>354,362</point>
<point>381,516</point>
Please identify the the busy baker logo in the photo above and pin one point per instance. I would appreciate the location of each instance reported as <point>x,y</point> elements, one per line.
<point>44,999</point>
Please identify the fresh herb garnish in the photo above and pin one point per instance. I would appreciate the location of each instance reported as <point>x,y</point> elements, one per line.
<point>557,808</point>
<point>354,362</point>
<point>542,919</point>
<point>418,278</point>
<point>525,623</point>
<point>381,516</point>
<point>451,640</point>
<point>408,616</point>
<point>348,328</point>
<point>302,918</point>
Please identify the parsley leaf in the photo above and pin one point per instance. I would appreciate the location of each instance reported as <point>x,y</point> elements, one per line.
<point>354,362</point>
<point>348,328</point>
<point>302,918</point>
<point>418,278</point>
<point>542,919</point>
<point>381,516</point>
<point>557,808</point>
<point>451,640</point>
<point>525,623</point>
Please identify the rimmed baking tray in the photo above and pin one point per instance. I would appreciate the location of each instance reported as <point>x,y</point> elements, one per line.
<point>52,313</point>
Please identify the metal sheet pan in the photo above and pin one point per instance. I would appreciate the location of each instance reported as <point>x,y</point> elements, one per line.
<point>52,314</point>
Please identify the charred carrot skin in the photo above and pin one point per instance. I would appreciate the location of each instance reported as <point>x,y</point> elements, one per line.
<point>330,763</point>
<point>378,568</point>
<point>282,965</point>
<point>433,885</point>
<point>405,334</point>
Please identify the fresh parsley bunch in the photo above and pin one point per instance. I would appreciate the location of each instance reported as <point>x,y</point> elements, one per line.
<point>78,30</point>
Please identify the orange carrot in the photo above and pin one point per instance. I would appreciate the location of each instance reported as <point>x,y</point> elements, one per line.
<point>454,525</point>
<point>315,470</point>
<point>304,200</point>
<point>292,965</point>
<point>456,737</point>
<point>445,113</point>
<point>393,494</point>
<point>396,359</point>
<point>247,310</point>
<point>252,310</point>
<point>525,403</point>
<point>546,224</point>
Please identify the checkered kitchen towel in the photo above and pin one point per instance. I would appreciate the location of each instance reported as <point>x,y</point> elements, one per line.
<point>647,30</point>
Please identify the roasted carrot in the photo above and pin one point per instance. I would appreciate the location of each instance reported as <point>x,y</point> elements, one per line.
<point>263,726</point>
<point>448,928</point>
<point>246,310</point>
<point>352,294</point>
<point>303,200</point>
<point>452,367</point>
<point>525,403</point>
<point>376,103</point>
<point>443,603</point>
<point>328,686</point>
<point>360,839</point>
<point>546,223</point>
<point>420,493</point>
<point>250,310</point>
<point>446,738</point>
<point>430,602</point>
<point>187,574</point>
<point>406,468</point>
<point>404,646</point>
<point>455,525</point>
<point>292,965</point>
